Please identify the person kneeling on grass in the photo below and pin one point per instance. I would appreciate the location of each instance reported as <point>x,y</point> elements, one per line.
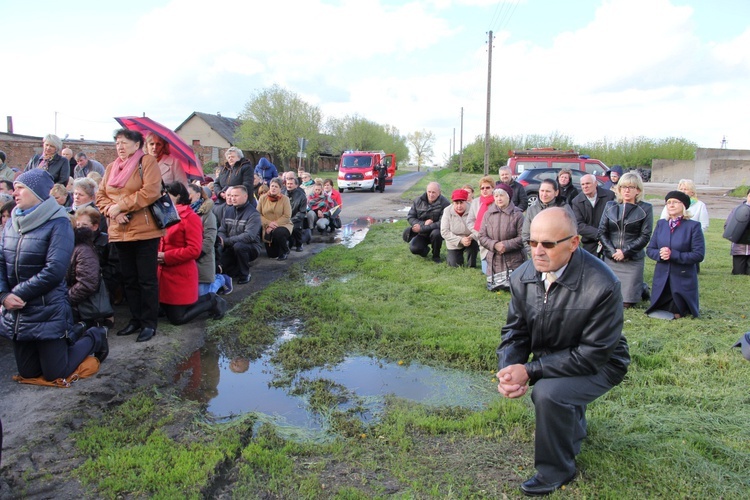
<point>36,249</point>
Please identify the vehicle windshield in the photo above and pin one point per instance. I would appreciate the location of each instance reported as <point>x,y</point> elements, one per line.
<point>357,161</point>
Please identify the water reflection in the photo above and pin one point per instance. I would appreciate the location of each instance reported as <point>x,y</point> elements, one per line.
<point>230,392</point>
<point>354,233</point>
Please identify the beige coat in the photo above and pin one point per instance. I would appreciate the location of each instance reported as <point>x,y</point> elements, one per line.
<point>133,199</point>
<point>275,211</point>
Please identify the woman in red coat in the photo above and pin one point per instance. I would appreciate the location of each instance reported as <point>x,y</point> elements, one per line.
<point>178,269</point>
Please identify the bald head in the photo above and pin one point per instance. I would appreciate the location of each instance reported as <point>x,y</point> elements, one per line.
<point>556,228</point>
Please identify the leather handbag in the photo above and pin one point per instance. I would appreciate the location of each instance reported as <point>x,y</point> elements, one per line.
<point>163,209</point>
<point>97,305</point>
<point>499,281</point>
<point>164,212</point>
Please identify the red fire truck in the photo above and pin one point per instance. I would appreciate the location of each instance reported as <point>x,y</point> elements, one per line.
<point>357,169</point>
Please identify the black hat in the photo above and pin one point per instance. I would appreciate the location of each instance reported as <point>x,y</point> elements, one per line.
<point>679,195</point>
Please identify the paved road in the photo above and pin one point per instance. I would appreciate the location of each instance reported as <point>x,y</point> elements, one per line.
<point>376,205</point>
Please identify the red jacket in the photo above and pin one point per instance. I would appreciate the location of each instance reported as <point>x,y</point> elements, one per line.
<point>178,276</point>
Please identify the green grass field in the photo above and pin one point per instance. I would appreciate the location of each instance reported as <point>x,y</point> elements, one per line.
<point>677,427</point>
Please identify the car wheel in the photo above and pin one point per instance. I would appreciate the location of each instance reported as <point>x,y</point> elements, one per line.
<point>532,198</point>
<point>341,190</point>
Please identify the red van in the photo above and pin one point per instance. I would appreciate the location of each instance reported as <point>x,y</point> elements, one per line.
<point>528,159</point>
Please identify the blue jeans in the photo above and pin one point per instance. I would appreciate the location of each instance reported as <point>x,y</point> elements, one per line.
<point>219,281</point>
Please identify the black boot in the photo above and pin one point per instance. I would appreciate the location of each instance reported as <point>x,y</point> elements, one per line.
<point>219,307</point>
<point>103,351</point>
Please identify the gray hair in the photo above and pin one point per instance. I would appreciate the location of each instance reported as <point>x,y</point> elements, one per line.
<point>80,155</point>
<point>87,185</point>
<point>54,140</point>
<point>234,150</point>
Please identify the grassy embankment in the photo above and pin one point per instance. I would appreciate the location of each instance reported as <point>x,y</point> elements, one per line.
<point>676,427</point>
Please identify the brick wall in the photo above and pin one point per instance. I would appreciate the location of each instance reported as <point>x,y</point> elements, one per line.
<point>19,150</point>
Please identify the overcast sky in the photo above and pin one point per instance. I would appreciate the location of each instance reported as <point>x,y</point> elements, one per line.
<point>590,69</point>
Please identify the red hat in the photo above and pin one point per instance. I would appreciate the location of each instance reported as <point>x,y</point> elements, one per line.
<point>460,195</point>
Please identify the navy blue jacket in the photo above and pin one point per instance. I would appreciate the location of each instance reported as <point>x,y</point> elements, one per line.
<point>680,271</point>
<point>33,267</point>
<point>266,169</point>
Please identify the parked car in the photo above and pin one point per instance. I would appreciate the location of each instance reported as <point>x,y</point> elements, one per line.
<point>531,179</point>
<point>527,159</point>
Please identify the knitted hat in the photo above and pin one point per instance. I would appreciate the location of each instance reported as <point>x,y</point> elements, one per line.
<point>506,188</point>
<point>679,195</point>
<point>460,195</point>
<point>38,180</point>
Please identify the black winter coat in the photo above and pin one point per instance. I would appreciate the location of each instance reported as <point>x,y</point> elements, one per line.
<point>58,168</point>
<point>588,217</point>
<point>573,329</point>
<point>241,224</point>
<point>240,174</point>
<point>298,201</point>
<point>422,210</point>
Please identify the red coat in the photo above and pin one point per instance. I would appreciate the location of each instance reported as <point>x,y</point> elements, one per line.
<point>178,276</point>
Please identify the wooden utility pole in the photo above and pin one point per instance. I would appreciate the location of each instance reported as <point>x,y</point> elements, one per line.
<point>461,146</point>
<point>487,127</point>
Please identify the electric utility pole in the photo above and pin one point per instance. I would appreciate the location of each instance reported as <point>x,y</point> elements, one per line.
<point>487,128</point>
<point>461,146</point>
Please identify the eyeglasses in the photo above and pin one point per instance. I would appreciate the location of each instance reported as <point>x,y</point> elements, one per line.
<point>486,187</point>
<point>549,245</point>
<point>628,187</point>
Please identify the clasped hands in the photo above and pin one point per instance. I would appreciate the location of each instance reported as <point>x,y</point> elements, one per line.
<point>513,381</point>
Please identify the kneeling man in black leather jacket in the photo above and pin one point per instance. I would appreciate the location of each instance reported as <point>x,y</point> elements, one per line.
<point>566,314</point>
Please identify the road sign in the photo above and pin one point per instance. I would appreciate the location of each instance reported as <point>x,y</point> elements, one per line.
<point>301,155</point>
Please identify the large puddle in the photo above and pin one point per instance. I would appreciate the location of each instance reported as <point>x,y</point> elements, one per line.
<point>359,384</point>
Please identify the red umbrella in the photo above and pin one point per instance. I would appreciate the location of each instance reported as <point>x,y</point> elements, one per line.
<point>177,147</point>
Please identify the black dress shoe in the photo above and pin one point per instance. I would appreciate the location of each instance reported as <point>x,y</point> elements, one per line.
<point>243,280</point>
<point>535,488</point>
<point>129,330</point>
<point>146,335</point>
<point>298,248</point>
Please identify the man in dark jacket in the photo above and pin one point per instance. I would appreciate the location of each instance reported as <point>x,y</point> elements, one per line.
<point>579,352</point>
<point>298,200</point>
<point>588,207</point>
<point>239,235</point>
<point>36,249</point>
<point>519,198</point>
<point>424,222</point>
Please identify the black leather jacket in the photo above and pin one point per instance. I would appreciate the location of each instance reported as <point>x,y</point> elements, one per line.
<point>573,329</point>
<point>422,210</point>
<point>629,231</point>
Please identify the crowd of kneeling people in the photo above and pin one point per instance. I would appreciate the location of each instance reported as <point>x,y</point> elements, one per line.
<point>75,245</point>
<point>613,222</point>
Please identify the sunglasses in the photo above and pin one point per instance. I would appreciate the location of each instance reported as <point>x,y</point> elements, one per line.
<point>549,245</point>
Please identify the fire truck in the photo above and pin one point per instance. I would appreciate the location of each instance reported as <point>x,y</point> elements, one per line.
<point>527,159</point>
<point>357,169</point>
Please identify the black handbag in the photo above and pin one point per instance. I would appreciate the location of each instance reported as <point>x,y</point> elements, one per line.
<point>163,209</point>
<point>164,212</point>
<point>97,305</point>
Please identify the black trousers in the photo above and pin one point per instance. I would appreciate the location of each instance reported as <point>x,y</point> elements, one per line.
<point>138,266</point>
<point>279,242</point>
<point>53,359</point>
<point>456,257</point>
<point>560,407</point>
<point>295,239</point>
<point>179,315</point>
<point>419,244</point>
<point>740,264</point>
<point>235,260</point>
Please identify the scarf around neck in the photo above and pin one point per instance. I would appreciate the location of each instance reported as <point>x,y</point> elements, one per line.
<point>28,220</point>
<point>484,204</point>
<point>122,170</point>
